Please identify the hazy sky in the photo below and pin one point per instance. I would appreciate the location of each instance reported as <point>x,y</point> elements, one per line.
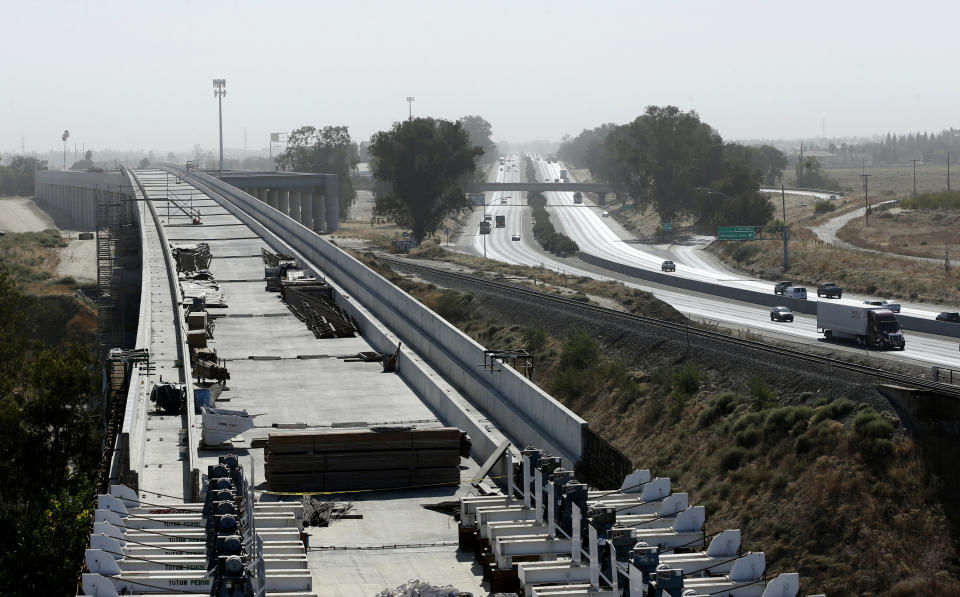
<point>127,75</point>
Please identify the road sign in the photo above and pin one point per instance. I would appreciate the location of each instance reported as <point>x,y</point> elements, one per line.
<point>666,226</point>
<point>735,232</point>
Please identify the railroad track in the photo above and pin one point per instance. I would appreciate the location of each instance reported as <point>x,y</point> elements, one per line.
<point>880,375</point>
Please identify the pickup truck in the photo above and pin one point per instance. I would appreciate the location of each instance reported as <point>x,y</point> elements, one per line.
<point>781,286</point>
<point>895,307</point>
<point>668,266</point>
<point>829,290</point>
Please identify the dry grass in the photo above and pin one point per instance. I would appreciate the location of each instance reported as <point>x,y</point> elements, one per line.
<point>886,181</point>
<point>918,233</point>
<point>849,521</point>
<point>856,271</point>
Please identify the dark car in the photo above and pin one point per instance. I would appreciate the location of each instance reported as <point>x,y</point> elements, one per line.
<point>948,316</point>
<point>829,290</point>
<point>781,286</point>
<point>781,314</point>
<point>668,266</point>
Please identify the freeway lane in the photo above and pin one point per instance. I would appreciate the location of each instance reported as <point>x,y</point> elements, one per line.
<point>921,349</point>
<point>590,230</point>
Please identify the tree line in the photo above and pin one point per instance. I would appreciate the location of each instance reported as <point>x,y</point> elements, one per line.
<point>930,148</point>
<point>420,165</point>
<point>17,178</point>
<point>671,162</point>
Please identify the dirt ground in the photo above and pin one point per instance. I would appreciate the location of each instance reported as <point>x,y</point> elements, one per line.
<point>21,214</point>
<point>78,259</point>
<point>916,233</point>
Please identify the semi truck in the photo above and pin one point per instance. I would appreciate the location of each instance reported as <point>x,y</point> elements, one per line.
<point>867,326</point>
<point>501,221</point>
<point>563,174</point>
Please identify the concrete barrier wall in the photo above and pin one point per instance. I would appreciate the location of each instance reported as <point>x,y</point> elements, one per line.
<point>916,324</point>
<point>71,197</point>
<point>524,412</point>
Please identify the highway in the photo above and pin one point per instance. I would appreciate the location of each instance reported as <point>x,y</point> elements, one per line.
<point>590,230</point>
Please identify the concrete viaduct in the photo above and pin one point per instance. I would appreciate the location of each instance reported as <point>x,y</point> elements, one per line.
<point>533,187</point>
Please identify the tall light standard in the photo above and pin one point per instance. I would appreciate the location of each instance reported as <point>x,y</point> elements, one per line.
<point>410,102</point>
<point>64,137</point>
<point>220,90</point>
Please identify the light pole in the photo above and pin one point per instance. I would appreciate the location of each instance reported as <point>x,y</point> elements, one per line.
<point>914,177</point>
<point>410,102</point>
<point>220,90</point>
<point>65,136</point>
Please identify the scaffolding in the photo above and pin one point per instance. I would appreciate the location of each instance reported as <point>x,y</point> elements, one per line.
<point>109,279</point>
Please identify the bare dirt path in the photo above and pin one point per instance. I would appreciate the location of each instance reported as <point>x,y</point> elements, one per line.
<point>21,214</point>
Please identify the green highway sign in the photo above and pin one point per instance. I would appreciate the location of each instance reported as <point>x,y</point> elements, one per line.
<point>666,226</point>
<point>735,232</point>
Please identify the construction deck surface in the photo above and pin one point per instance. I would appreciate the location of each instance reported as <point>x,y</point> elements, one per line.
<point>284,375</point>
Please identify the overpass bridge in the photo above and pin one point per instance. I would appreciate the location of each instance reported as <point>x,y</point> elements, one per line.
<point>601,189</point>
<point>290,378</point>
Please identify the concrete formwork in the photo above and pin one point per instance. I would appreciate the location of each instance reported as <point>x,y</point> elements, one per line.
<point>71,197</point>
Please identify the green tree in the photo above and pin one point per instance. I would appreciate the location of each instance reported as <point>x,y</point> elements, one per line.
<point>480,133</point>
<point>329,150</point>
<point>421,165</point>
<point>49,447</point>
<point>663,155</point>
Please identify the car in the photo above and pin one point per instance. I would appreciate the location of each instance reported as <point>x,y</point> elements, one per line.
<point>515,237</point>
<point>952,317</point>
<point>781,286</point>
<point>668,266</point>
<point>829,290</point>
<point>895,307</point>
<point>833,197</point>
<point>605,214</point>
<point>487,217</point>
<point>781,314</point>
<point>503,201</point>
<point>804,204</point>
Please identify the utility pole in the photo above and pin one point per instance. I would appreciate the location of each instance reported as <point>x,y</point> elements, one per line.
<point>220,90</point>
<point>914,177</point>
<point>783,200</point>
<point>948,171</point>
<point>410,103</point>
<point>946,247</point>
<point>866,200</point>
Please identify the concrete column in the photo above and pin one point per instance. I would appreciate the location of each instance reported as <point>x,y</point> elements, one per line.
<point>332,195</point>
<point>295,206</point>
<point>319,210</point>
<point>273,198</point>
<point>258,193</point>
<point>283,201</point>
<point>602,198</point>
<point>306,209</point>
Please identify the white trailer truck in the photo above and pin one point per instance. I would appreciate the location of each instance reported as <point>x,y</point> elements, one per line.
<point>867,326</point>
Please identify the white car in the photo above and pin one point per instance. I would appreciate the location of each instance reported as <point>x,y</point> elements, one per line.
<point>605,214</point>
<point>515,237</point>
<point>895,307</point>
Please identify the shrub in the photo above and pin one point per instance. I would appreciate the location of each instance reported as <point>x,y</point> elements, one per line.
<point>453,306</point>
<point>67,281</point>
<point>745,252</point>
<point>823,207</point>
<point>835,410</point>
<point>580,351</point>
<point>688,379</point>
<point>762,394</point>
<point>871,425</point>
<point>749,437</point>
<point>534,338</point>
<point>748,420</point>
<point>786,420</point>
<point>731,458</point>
<point>718,407</point>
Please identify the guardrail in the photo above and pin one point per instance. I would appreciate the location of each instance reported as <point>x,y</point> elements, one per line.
<point>523,411</point>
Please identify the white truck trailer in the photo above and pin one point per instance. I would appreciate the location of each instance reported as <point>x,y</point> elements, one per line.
<point>867,326</point>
